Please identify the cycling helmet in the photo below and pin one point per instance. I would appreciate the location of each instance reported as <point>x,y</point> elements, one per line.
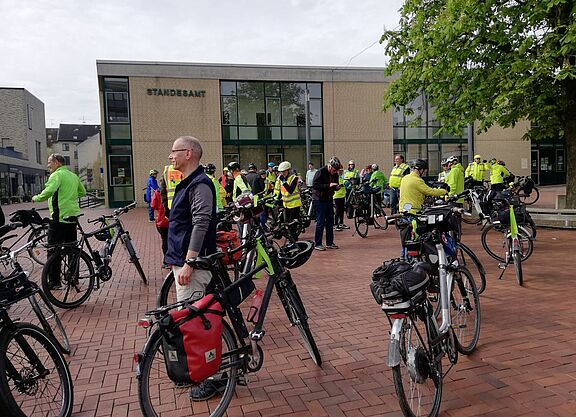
<point>153,172</point>
<point>234,166</point>
<point>271,164</point>
<point>244,172</point>
<point>275,169</point>
<point>375,167</point>
<point>293,256</point>
<point>335,163</point>
<point>252,166</point>
<point>284,166</point>
<point>444,162</point>
<point>452,160</point>
<point>210,168</point>
<point>351,162</point>
<point>262,172</point>
<point>419,164</point>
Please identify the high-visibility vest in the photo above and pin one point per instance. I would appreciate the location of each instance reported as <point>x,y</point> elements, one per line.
<point>476,170</point>
<point>172,178</point>
<point>240,186</point>
<point>396,175</point>
<point>350,175</point>
<point>289,200</point>
<point>341,193</point>
<point>219,189</point>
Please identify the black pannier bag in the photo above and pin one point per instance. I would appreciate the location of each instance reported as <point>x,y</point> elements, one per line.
<point>397,280</point>
<point>446,219</point>
<point>26,217</point>
<point>503,215</point>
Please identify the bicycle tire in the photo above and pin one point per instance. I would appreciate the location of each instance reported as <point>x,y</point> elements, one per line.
<point>56,330</point>
<point>38,251</point>
<point>167,293</point>
<point>473,217</point>
<point>496,244</point>
<point>361,223</point>
<point>297,315</point>
<point>134,257</point>
<point>465,305</point>
<point>462,254</point>
<point>71,256</point>
<point>531,198</point>
<point>419,389</point>
<point>54,392</point>
<point>152,368</point>
<point>380,221</point>
<point>516,257</point>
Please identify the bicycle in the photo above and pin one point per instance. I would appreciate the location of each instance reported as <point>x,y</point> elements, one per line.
<point>514,249</point>
<point>34,376</point>
<point>241,352</point>
<point>47,316</point>
<point>36,232</point>
<point>367,210</point>
<point>75,266</point>
<point>417,342</point>
<point>525,189</point>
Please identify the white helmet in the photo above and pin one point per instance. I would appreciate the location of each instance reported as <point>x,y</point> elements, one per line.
<point>284,166</point>
<point>452,160</point>
<point>375,167</point>
<point>351,162</point>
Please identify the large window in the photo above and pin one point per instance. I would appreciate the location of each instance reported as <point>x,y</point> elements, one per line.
<point>416,136</point>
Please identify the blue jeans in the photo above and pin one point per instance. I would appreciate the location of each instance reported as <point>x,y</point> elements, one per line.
<point>394,199</point>
<point>324,219</point>
<point>150,212</point>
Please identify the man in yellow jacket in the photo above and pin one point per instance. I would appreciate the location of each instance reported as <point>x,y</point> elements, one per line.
<point>497,174</point>
<point>399,171</point>
<point>476,170</point>
<point>413,189</point>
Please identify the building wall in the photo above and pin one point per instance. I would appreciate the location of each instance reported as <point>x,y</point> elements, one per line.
<point>355,127</point>
<point>506,145</point>
<point>90,157</point>
<point>158,120</point>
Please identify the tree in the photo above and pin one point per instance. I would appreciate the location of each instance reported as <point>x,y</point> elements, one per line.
<point>491,61</point>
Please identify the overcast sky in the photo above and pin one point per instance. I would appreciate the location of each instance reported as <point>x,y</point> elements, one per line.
<point>50,47</point>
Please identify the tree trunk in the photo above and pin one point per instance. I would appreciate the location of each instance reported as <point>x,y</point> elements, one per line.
<point>570,138</point>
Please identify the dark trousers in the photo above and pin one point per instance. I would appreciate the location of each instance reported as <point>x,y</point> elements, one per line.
<point>164,235</point>
<point>394,199</point>
<point>339,214</point>
<point>497,187</point>
<point>324,219</point>
<point>59,233</point>
<point>292,214</point>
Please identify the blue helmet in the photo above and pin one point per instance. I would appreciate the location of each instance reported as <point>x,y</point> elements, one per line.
<point>271,164</point>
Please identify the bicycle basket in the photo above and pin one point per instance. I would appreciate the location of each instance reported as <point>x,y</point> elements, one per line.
<point>442,219</point>
<point>503,215</point>
<point>297,254</point>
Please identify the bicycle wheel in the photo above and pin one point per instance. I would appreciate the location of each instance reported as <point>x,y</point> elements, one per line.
<point>76,273</point>
<point>473,217</point>
<point>418,377</point>
<point>167,293</point>
<point>495,242</point>
<point>531,198</point>
<point>134,257</point>
<point>159,396</point>
<point>297,316</point>
<point>38,251</point>
<point>361,221</point>
<point>465,311</point>
<point>34,377</point>
<point>467,258</point>
<point>517,258</point>
<point>379,219</point>
<point>50,321</point>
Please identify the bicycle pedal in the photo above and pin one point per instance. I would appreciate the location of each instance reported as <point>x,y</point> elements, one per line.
<point>501,266</point>
<point>242,381</point>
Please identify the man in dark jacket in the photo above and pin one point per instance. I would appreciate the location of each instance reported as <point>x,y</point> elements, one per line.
<point>324,184</point>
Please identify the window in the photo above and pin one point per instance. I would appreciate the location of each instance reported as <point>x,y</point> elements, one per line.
<point>116,100</point>
<point>30,115</point>
<point>67,160</point>
<point>38,152</point>
<point>75,154</point>
<point>66,147</point>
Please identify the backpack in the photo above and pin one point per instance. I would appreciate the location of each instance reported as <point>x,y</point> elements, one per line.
<point>192,341</point>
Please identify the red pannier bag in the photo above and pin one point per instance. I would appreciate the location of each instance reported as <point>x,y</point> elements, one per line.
<point>192,341</point>
<point>227,241</point>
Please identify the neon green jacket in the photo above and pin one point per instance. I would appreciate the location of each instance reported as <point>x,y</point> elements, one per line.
<point>413,190</point>
<point>62,191</point>
<point>378,179</point>
<point>497,173</point>
<point>455,179</point>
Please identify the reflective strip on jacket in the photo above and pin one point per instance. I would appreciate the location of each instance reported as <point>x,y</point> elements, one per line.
<point>455,179</point>
<point>397,174</point>
<point>476,170</point>
<point>290,200</point>
<point>172,178</point>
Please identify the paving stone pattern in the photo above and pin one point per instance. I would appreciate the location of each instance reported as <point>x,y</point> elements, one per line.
<point>525,364</point>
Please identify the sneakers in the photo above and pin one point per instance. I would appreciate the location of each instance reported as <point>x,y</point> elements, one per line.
<point>332,246</point>
<point>319,247</point>
<point>338,227</point>
<point>151,221</point>
<point>344,226</point>
<point>207,389</point>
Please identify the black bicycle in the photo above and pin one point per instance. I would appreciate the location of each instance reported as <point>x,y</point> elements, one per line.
<point>241,352</point>
<point>34,376</point>
<point>80,271</point>
<point>35,234</point>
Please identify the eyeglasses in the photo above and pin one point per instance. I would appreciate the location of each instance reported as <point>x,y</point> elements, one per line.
<point>180,150</point>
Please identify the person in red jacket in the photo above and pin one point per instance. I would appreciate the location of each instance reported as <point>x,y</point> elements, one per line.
<point>161,223</point>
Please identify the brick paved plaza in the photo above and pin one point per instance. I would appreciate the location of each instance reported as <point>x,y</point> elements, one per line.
<point>525,364</point>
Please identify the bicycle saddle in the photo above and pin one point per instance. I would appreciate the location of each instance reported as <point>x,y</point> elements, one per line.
<point>205,262</point>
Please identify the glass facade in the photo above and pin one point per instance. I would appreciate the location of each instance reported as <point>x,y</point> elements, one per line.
<point>416,136</point>
<point>118,141</point>
<point>266,121</point>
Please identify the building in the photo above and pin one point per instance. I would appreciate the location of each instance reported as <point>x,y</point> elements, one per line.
<point>255,114</point>
<point>23,152</point>
<point>69,137</point>
<point>90,162</point>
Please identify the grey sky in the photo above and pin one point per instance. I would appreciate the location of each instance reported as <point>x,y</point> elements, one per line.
<point>50,47</point>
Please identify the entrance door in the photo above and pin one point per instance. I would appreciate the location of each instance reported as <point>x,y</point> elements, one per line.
<point>547,159</point>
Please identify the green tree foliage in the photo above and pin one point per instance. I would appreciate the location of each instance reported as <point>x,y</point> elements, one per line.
<point>491,61</point>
